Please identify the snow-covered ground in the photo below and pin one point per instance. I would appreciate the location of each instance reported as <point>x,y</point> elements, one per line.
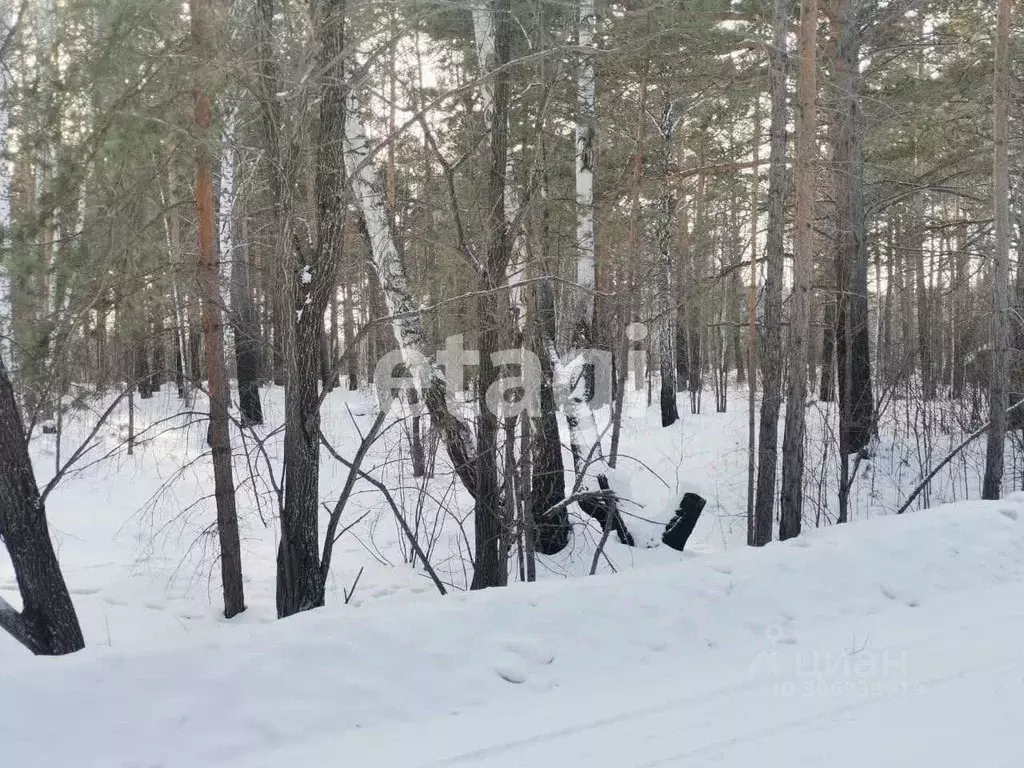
<point>849,644</point>
<point>877,632</point>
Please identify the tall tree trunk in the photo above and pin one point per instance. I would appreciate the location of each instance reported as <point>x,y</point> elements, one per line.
<point>548,482</point>
<point>852,337</point>
<point>489,569</point>
<point>300,581</point>
<point>771,336</point>
<point>349,322</point>
<point>791,501</point>
<point>159,372</point>
<point>827,390</point>
<point>993,481</point>
<point>140,357</point>
<point>752,362</point>
<point>586,149</point>
<point>244,317</point>
<point>925,352</point>
<point>671,328</point>
<point>667,333</point>
<point>219,436</point>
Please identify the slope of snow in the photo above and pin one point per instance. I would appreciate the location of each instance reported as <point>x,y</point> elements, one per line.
<point>900,688</point>
<point>702,658</point>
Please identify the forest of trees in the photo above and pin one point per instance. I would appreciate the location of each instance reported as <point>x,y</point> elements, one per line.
<point>796,200</point>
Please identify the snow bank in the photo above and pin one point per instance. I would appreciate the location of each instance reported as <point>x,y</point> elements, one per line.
<point>224,695</point>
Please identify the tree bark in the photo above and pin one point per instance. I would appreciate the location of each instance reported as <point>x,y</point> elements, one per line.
<point>548,484</point>
<point>670,327</point>
<point>244,316</point>
<point>998,384</point>
<point>752,361</point>
<point>586,149</point>
<point>791,501</point>
<point>852,337</point>
<point>489,568</point>
<point>771,336</point>
<point>47,623</point>
<point>218,436</point>
<point>309,284</point>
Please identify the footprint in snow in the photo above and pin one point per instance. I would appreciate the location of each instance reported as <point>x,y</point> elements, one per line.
<point>910,602</point>
<point>1009,513</point>
<point>530,651</point>
<point>511,672</point>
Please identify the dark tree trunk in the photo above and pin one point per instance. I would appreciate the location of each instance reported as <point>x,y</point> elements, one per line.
<point>333,339</point>
<point>141,369</point>
<point>548,482</point>
<point>925,348</point>
<point>771,336</point>
<point>417,454</point>
<point>827,392</point>
<point>682,355</point>
<point>352,359</point>
<point>158,374</point>
<point>244,319</point>
<point>735,340</point>
<point>853,342</point>
<point>992,482</point>
<point>961,308</point>
<point>195,349</point>
<point>326,361</point>
<point>667,283</point>
<point>179,361</point>
<point>791,497</point>
<point>47,623</point>
<point>489,569</point>
<point>299,582</point>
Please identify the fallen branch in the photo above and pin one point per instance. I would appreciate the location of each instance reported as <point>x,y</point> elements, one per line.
<point>950,456</point>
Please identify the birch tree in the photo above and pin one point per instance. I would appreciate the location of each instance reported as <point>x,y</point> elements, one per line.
<point>586,147</point>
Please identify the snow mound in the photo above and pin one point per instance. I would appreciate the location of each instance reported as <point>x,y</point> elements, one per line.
<point>226,695</point>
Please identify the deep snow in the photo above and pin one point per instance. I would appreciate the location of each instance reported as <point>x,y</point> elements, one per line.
<point>699,658</point>
<point>709,643</point>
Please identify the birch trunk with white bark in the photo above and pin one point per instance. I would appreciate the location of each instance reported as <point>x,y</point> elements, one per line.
<point>586,148</point>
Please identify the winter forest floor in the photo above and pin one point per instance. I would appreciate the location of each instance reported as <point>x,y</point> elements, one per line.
<point>402,676</point>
